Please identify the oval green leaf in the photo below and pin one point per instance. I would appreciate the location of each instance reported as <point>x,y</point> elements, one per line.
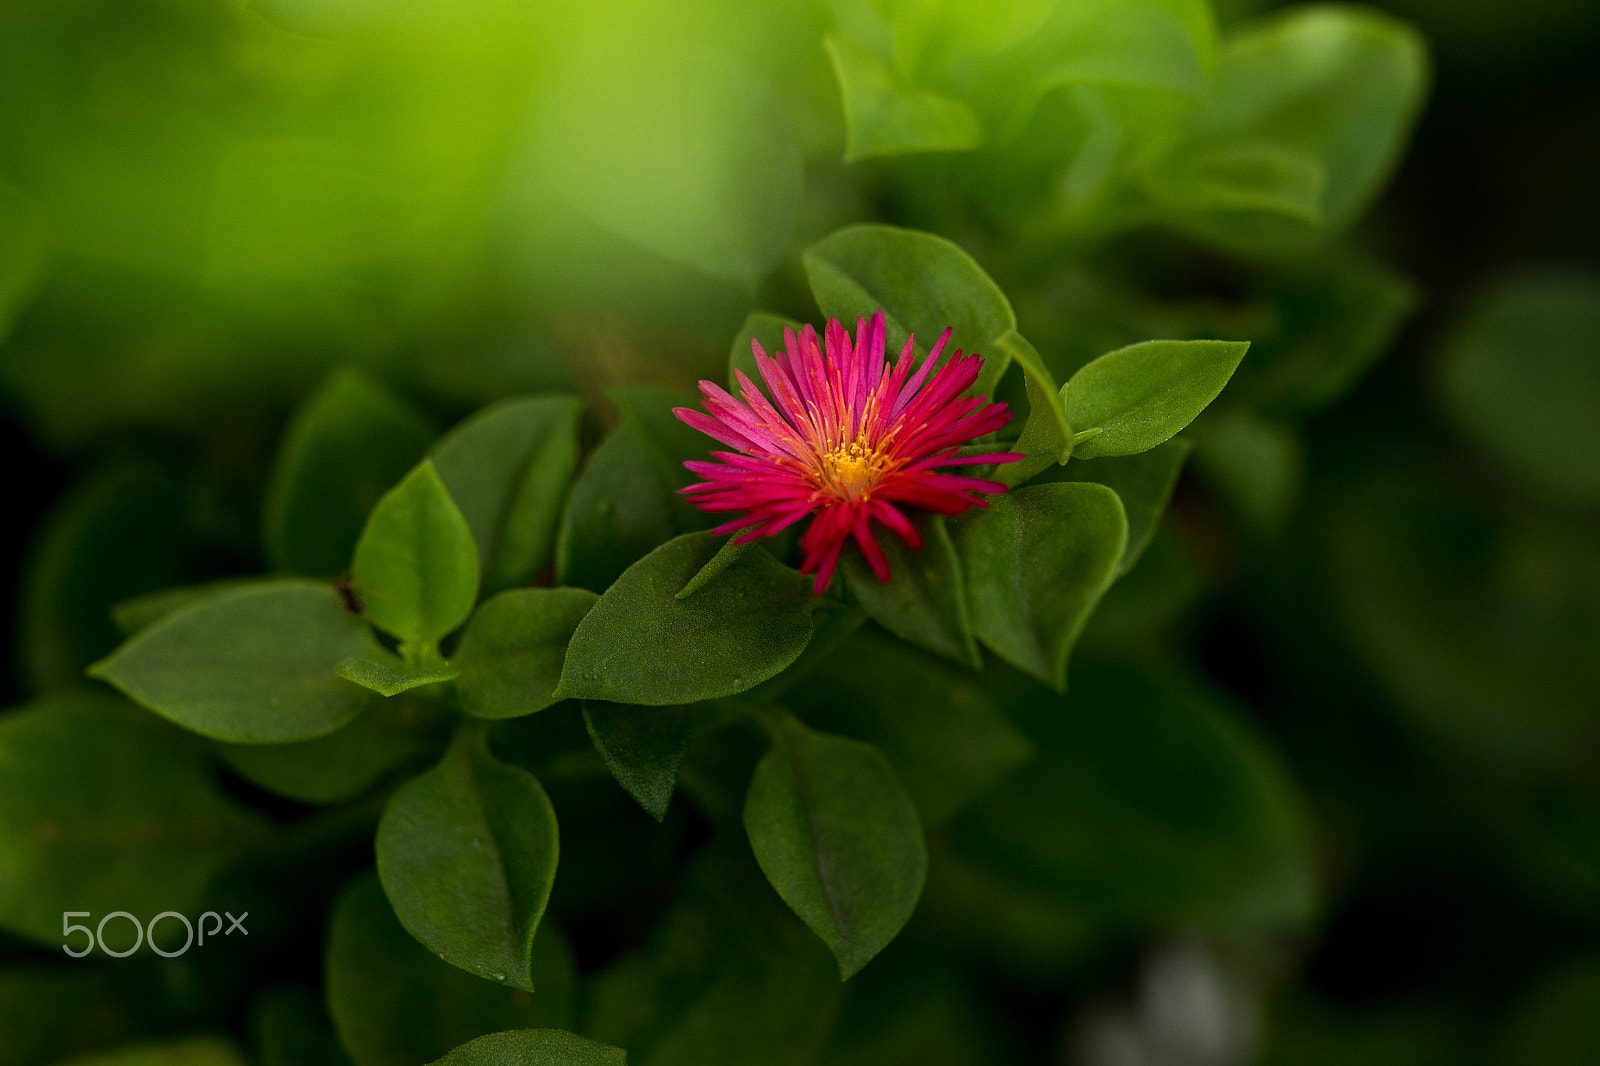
<point>467,854</point>
<point>924,601</point>
<point>416,566</point>
<point>641,644</point>
<point>1142,395</point>
<point>252,665</point>
<point>836,834</point>
<point>344,449</point>
<point>1038,561</point>
<point>507,468</point>
<point>513,650</point>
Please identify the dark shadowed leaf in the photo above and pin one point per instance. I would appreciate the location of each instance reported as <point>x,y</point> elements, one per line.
<point>467,853</point>
<point>1143,483</point>
<point>836,834</point>
<point>507,468</point>
<point>642,747</point>
<point>395,1003</point>
<point>105,808</point>
<point>345,448</point>
<point>924,600</point>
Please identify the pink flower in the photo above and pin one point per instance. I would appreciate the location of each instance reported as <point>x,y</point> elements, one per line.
<point>845,439</point>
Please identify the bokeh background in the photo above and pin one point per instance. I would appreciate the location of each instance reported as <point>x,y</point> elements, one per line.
<point>1395,569</point>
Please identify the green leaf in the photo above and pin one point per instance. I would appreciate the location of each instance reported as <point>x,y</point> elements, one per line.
<point>1149,800</point>
<point>1046,437</point>
<point>726,556</point>
<point>1559,1024</point>
<point>346,763</point>
<point>1037,562</point>
<point>507,468</point>
<point>394,1003</point>
<point>884,115</point>
<point>1142,395</point>
<point>1520,375</point>
<point>119,532</point>
<point>836,834</point>
<point>105,808</point>
<point>185,1051</point>
<point>467,853</point>
<point>642,748</point>
<point>1317,102</point>
<point>50,1014</point>
<point>626,501</point>
<point>924,600</point>
<point>945,737</point>
<point>1144,484</point>
<point>922,282</point>
<point>141,612</point>
<point>641,644</point>
<point>344,449</point>
<point>416,567</point>
<point>251,665</point>
<point>513,650</point>
<point>534,1047</point>
<point>833,622</point>
<point>390,675</point>
<point>762,326</point>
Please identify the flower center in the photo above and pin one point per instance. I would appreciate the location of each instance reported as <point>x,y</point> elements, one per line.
<point>852,470</point>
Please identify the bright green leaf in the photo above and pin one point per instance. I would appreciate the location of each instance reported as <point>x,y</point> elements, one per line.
<point>345,448</point>
<point>836,834</point>
<point>1046,437</point>
<point>886,116</point>
<point>104,808</point>
<point>395,1003</point>
<point>467,853</point>
<point>534,1047</point>
<point>251,665</point>
<point>642,747</point>
<point>641,644</point>
<point>1144,394</point>
<point>507,468</point>
<point>512,652</point>
<point>390,675</point>
<point>416,567</point>
<point>924,600</point>
<point>1037,562</point>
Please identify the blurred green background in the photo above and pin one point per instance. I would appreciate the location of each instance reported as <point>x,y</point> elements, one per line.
<point>1386,548</point>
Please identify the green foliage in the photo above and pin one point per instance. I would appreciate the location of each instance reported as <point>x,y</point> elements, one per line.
<point>762,326</point>
<point>641,644</point>
<point>534,1047</point>
<point>467,853</point>
<point>1037,562</point>
<point>394,1003</point>
<point>254,664</point>
<point>345,448</point>
<point>641,747</point>
<point>390,675</point>
<point>105,808</point>
<point>507,469</point>
<point>513,650</point>
<point>416,568</point>
<point>838,838</point>
<point>1137,397</point>
<point>1144,483</point>
<point>925,600</point>
<point>186,1051</point>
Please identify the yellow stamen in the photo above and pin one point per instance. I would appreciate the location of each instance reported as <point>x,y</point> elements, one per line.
<point>852,470</point>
